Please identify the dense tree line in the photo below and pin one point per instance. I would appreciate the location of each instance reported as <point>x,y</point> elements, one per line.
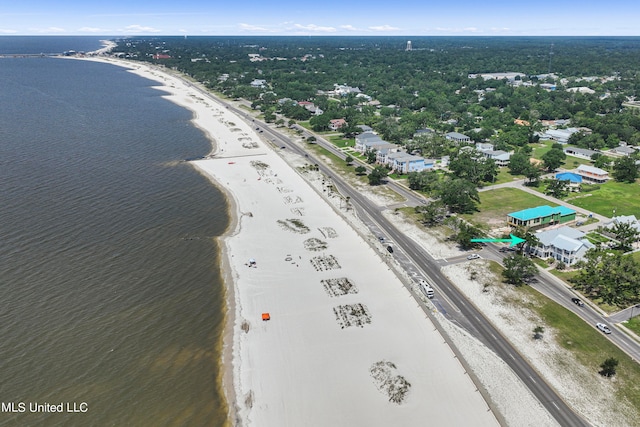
<point>425,87</point>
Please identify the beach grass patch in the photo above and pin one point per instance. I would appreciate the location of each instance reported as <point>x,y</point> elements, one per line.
<point>395,387</point>
<point>294,224</point>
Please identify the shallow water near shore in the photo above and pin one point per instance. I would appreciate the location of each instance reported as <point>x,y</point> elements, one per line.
<point>109,270</point>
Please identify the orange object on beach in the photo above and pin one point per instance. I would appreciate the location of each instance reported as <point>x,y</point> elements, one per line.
<point>266,316</point>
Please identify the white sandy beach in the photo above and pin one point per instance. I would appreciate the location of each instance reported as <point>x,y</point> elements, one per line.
<point>314,362</point>
<point>338,314</point>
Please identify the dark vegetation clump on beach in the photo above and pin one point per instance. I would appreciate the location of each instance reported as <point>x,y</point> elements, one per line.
<point>394,386</point>
<point>294,225</point>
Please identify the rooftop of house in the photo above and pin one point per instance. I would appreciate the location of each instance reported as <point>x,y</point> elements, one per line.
<point>568,176</point>
<point>540,212</point>
<point>565,238</point>
<point>592,169</point>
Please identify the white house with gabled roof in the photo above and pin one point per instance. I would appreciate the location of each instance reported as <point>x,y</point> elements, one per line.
<point>564,244</point>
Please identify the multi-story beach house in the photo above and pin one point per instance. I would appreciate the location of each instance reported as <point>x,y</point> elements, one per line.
<point>593,174</point>
<point>564,244</point>
<point>404,163</point>
<point>457,137</point>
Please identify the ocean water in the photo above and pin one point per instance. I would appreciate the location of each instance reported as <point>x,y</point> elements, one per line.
<point>109,269</point>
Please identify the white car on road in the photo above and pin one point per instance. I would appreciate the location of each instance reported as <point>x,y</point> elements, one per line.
<point>604,328</point>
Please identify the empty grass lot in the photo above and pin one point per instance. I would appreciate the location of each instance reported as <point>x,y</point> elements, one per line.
<point>623,197</point>
<point>496,204</point>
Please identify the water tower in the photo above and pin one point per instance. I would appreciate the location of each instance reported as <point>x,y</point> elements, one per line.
<point>408,46</point>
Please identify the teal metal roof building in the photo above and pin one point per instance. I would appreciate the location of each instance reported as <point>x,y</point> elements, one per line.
<point>540,216</point>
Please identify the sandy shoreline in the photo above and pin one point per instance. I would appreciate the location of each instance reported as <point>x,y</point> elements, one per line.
<point>312,364</point>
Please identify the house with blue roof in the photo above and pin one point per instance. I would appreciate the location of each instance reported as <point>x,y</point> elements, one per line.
<point>573,179</point>
<point>564,244</point>
<point>541,216</point>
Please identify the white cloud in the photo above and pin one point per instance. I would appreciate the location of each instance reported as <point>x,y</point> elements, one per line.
<point>137,29</point>
<point>5,31</point>
<point>49,30</point>
<point>349,28</point>
<point>249,27</point>
<point>91,30</point>
<point>315,28</point>
<point>384,28</point>
<point>466,30</point>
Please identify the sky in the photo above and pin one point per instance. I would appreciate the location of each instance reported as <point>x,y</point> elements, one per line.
<point>325,17</point>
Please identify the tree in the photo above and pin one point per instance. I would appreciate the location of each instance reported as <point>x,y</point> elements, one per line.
<point>348,160</point>
<point>608,367</point>
<point>371,156</point>
<point>519,163</point>
<point>553,159</point>
<point>459,195</point>
<point>377,175</point>
<point>425,180</point>
<point>467,232</point>
<point>473,166</point>
<point>532,173</point>
<point>433,213</point>
<point>530,238</point>
<point>360,170</point>
<point>537,332</point>
<point>625,169</point>
<point>625,234</point>
<point>558,188</point>
<point>518,269</point>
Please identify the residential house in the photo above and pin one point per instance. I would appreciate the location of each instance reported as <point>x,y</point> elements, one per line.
<point>261,83</point>
<point>311,107</point>
<point>623,150</point>
<point>623,219</point>
<point>541,216</point>
<point>592,174</point>
<point>583,153</point>
<point>500,157</point>
<point>336,124</point>
<point>564,244</point>
<point>458,137</point>
<point>364,140</point>
<point>425,131</point>
<point>559,135</point>
<point>404,163</point>
<point>574,180</point>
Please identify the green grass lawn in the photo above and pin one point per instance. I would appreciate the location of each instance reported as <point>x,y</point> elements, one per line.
<point>596,238</point>
<point>634,324</point>
<point>540,149</point>
<point>496,204</point>
<point>341,142</point>
<point>623,197</point>
<point>505,176</point>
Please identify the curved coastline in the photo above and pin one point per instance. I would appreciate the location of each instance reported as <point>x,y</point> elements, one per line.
<point>178,93</point>
<point>296,358</point>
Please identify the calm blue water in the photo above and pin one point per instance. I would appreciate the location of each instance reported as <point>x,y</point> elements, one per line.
<point>34,45</point>
<point>111,293</point>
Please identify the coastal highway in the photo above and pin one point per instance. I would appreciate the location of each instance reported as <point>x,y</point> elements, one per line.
<point>467,312</point>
